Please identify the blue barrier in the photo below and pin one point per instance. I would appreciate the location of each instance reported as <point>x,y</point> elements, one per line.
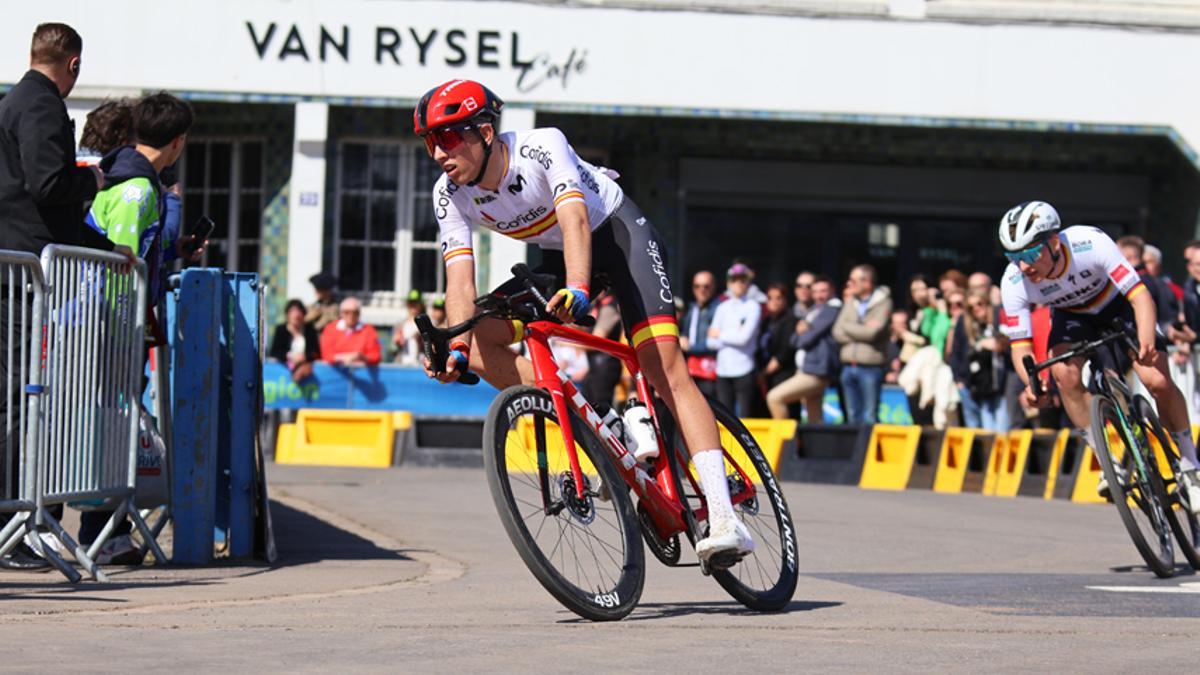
<point>390,387</point>
<point>213,328</point>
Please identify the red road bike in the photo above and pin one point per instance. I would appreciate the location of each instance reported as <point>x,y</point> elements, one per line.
<point>565,491</point>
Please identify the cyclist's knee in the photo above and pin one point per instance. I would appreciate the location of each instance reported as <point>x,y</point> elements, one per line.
<point>1069,377</point>
<point>663,363</point>
<point>1156,381</point>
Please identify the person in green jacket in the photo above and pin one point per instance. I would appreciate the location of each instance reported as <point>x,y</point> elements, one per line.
<point>131,211</point>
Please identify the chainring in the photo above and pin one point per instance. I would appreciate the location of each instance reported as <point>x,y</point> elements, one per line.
<point>668,551</point>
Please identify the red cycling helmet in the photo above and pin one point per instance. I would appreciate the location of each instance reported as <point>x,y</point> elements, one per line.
<point>445,112</point>
<point>456,102</point>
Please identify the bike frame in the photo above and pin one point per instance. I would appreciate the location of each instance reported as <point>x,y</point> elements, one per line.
<point>657,493</point>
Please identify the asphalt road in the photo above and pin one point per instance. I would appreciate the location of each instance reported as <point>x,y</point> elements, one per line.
<point>409,570</point>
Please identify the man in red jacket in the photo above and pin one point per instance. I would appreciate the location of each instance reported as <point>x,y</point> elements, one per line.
<point>348,341</point>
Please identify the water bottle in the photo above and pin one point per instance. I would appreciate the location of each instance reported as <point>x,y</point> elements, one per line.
<point>639,430</point>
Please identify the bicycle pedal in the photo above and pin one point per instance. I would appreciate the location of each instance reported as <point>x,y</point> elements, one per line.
<point>725,560</point>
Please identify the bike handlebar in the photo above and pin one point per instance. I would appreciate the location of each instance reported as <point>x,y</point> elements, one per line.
<point>1118,333</point>
<point>527,307</point>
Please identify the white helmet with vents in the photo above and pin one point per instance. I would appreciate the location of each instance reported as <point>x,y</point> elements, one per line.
<point>1027,224</point>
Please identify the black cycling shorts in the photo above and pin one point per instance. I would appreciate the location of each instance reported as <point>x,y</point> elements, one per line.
<point>630,259</point>
<point>1071,327</point>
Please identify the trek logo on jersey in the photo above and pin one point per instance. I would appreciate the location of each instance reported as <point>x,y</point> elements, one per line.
<point>1081,246</point>
<point>538,154</point>
<point>485,199</point>
<point>517,186</point>
<point>530,216</point>
<point>1120,273</point>
<point>1050,290</point>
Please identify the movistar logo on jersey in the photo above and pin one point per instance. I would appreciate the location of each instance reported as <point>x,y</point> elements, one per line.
<point>1081,246</point>
<point>517,186</point>
<point>530,216</point>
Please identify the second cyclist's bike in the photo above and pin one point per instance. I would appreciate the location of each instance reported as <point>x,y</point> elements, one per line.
<point>1151,507</point>
<point>577,505</point>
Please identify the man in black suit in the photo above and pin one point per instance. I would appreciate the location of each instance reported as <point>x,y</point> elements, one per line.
<point>42,193</point>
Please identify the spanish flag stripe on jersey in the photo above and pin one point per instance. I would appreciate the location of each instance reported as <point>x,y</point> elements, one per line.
<point>655,329</point>
<point>455,253</point>
<point>572,195</point>
<point>549,221</point>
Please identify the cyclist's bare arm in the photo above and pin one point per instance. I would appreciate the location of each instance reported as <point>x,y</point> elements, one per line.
<point>1145,315</point>
<point>577,249</point>
<point>460,306</point>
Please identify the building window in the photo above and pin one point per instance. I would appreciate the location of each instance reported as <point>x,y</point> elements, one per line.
<point>223,179</point>
<point>385,233</point>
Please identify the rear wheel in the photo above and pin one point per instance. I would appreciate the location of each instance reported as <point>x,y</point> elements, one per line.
<point>766,579</point>
<point>1183,523</point>
<point>1138,494</point>
<point>585,551</point>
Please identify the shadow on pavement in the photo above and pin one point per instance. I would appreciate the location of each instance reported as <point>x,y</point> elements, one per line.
<point>302,538</point>
<point>666,610</point>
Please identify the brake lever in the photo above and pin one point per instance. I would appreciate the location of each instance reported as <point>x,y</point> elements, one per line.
<point>1035,382</point>
<point>437,349</point>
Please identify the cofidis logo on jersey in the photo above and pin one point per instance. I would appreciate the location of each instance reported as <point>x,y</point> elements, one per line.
<point>419,46</point>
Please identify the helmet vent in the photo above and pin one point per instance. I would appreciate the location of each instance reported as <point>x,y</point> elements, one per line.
<point>452,108</point>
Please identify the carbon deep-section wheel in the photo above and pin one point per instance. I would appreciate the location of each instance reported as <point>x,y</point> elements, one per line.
<point>587,552</point>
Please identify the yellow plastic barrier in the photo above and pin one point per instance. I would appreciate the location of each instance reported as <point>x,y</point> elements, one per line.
<point>769,434</point>
<point>952,461</point>
<point>520,451</point>
<point>890,456</point>
<point>338,438</point>
<point>1060,446</point>
<point>1090,471</point>
<point>1008,463</point>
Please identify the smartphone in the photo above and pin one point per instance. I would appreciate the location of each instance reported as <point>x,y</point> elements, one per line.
<point>202,230</point>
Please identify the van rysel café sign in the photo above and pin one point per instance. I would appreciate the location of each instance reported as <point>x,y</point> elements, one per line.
<point>419,47</point>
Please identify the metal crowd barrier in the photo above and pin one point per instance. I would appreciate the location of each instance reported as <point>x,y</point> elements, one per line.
<point>22,301</point>
<point>83,397</point>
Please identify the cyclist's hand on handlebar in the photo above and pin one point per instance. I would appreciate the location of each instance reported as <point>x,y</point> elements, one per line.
<point>1031,400</point>
<point>1147,351</point>
<point>456,364</point>
<point>570,303</point>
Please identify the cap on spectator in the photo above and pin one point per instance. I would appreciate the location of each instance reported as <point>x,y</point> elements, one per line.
<point>739,270</point>
<point>439,303</point>
<point>323,281</point>
<point>413,296</point>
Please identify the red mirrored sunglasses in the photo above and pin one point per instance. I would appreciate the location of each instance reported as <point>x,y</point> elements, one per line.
<point>447,139</point>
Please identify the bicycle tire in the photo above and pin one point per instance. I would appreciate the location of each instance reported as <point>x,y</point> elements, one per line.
<point>775,560</point>
<point>1147,492</point>
<point>611,593</point>
<point>1183,522</point>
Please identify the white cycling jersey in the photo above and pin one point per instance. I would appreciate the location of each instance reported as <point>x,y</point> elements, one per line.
<point>541,173</point>
<point>1096,272</point>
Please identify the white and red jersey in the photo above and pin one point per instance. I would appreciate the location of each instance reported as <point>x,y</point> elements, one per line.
<point>541,173</point>
<point>1095,274</point>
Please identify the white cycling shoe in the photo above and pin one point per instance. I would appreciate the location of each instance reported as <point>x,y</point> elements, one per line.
<point>727,542</point>
<point>1189,485</point>
<point>1102,487</point>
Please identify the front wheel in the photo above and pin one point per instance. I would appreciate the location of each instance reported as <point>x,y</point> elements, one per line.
<point>1135,485</point>
<point>587,551</point>
<point>766,579</point>
<point>1179,514</point>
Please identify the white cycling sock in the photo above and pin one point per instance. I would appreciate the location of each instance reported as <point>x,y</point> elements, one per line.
<point>1187,449</point>
<point>710,465</point>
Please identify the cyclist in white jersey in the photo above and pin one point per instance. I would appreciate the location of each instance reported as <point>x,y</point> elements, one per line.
<point>1082,275</point>
<point>533,187</point>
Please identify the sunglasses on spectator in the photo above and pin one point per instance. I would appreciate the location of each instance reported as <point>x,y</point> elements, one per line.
<point>1028,256</point>
<point>350,311</point>
<point>447,139</point>
<point>955,303</point>
<point>803,285</point>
